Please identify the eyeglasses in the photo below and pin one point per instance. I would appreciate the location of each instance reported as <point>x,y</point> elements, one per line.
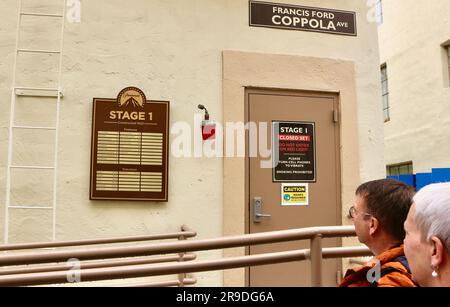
<point>352,212</point>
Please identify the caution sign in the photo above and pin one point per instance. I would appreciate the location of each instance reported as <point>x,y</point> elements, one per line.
<point>294,194</point>
<point>294,153</point>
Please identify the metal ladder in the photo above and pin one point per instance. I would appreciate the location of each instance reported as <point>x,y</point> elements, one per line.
<point>36,92</point>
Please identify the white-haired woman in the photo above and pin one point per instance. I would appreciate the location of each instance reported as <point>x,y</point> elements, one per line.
<point>427,241</point>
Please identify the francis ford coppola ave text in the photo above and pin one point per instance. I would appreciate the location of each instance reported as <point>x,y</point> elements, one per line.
<point>294,17</point>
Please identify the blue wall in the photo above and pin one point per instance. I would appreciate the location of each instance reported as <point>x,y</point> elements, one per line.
<point>420,180</point>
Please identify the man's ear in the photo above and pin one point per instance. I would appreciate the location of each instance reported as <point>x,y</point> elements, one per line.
<point>374,225</point>
<point>437,251</point>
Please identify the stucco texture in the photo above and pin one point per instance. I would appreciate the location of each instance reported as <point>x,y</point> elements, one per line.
<point>412,40</point>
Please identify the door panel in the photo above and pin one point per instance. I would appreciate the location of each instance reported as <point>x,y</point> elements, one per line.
<point>324,195</point>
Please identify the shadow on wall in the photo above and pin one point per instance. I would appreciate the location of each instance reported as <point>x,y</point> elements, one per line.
<point>420,180</point>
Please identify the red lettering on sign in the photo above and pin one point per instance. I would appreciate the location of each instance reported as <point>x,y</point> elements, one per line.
<point>298,138</point>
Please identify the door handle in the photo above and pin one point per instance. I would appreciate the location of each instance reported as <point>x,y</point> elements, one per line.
<point>263,215</point>
<point>257,210</point>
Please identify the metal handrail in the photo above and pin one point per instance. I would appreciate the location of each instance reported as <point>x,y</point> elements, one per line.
<point>357,261</point>
<point>185,232</point>
<point>315,254</point>
<point>97,264</point>
<point>177,268</point>
<point>173,283</point>
<point>178,247</point>
<point>183,280</point>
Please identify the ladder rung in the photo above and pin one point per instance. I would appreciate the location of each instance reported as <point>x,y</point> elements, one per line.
<point>37,51</point>
<point>34,128</point>
<point>41,14</point>
<point>36,88</point>
<point>38,92</point>
<point>31,167</point>
<point>47,94</point>
<point>30,207</point>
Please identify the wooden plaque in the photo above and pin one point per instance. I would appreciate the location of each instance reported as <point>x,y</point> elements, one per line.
<point>129,152</point>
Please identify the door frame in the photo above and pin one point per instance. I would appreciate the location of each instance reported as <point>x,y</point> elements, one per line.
<point>295,93</point>
<point>281,72</point>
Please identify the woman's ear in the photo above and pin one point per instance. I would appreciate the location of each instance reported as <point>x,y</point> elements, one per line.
<point>374,225</point>
<point>437,251</point>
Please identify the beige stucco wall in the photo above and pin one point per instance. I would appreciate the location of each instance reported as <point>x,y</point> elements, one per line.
<point>173,50</point>
<point>419,92</point>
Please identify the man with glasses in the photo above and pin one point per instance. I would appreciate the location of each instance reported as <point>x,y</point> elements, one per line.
<point>378,214</point>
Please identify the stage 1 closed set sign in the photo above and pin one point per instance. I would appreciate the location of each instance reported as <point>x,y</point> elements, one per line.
<point>294,152</point>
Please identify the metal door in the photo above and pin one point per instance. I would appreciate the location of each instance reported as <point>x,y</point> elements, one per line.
<point>265,195</point>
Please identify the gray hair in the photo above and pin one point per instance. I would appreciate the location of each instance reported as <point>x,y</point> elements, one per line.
<point>433,212</point>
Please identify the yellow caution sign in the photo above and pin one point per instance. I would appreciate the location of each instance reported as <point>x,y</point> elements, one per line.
<point>294,194</point>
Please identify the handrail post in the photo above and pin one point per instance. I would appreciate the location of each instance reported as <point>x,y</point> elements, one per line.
<point>181,277</point>
<point>316,261</point>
